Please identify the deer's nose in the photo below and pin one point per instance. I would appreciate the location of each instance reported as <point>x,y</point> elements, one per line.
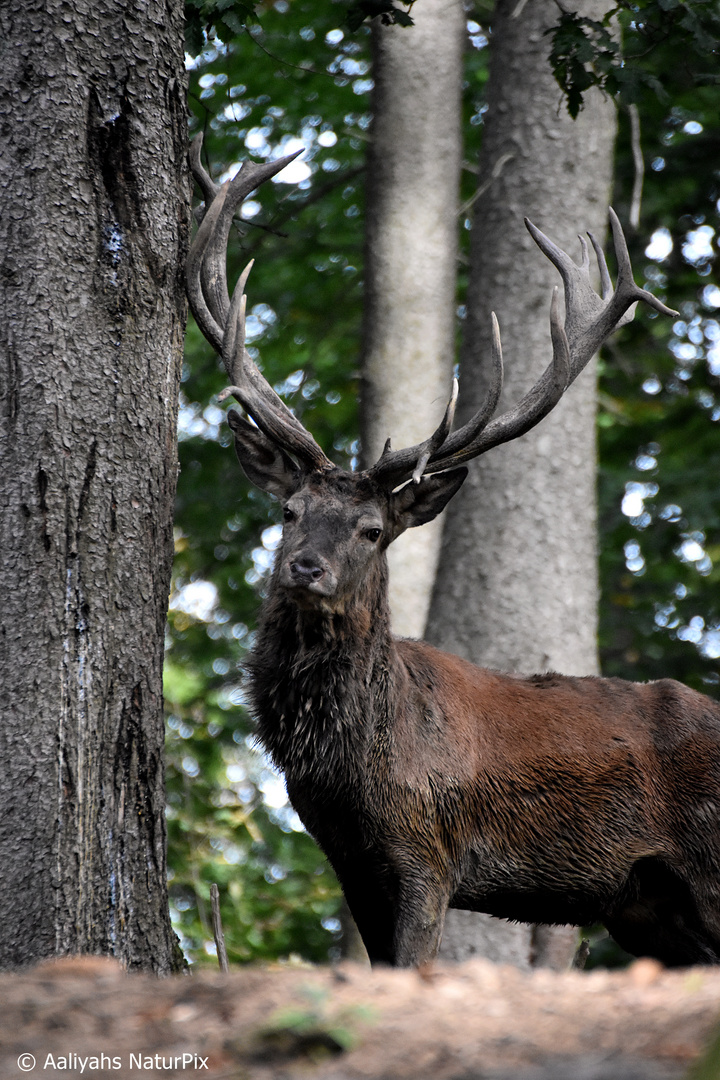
<point>305,570</point>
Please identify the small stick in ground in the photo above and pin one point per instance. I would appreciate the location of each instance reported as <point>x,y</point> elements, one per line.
<point>217,928</point>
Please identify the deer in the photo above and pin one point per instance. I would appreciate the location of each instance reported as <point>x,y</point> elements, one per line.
<point>428,782</point>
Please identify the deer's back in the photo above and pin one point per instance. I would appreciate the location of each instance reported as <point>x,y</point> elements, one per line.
<point>492,716</point>
<point>580,758</point>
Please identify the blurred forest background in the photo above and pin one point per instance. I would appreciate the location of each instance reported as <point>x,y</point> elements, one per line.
<point>268,79</point>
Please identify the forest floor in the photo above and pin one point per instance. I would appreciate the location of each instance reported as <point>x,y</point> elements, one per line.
<point>476,1021</point>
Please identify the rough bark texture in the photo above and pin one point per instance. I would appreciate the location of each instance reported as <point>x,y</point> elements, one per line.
<point>410,265</point>
<point>92,236</point>
<point>516,587</point>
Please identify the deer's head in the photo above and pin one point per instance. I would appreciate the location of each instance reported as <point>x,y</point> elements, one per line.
<point>338,524</point>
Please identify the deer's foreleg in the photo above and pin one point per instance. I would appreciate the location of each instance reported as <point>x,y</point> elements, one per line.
<point>419,918</point>
<point>400,917</point>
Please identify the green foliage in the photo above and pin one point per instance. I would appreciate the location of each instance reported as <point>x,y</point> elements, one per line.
<point>220,829</point>
<point>660,408</point>
<point>583,54</point>
<point>390,15</point>
<point>708,1066</point>
<point>623,53</point>
<point>224,19</point>
<point>313,1028</point>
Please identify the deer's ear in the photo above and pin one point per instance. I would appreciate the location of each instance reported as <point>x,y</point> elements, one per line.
<point>264,463</point>
<point>416,504</point>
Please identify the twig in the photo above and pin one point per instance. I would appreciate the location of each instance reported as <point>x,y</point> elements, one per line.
<point>497,169</point>
<point>238,222</point>
<point>296,208</point>
<point>580,958</point>
<point>218,929</point>
<point>286,63</point>
<point>638,163</point>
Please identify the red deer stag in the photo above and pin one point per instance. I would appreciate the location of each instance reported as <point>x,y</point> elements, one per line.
<point>430,783</point>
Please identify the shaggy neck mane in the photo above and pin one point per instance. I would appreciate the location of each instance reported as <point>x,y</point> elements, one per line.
<point>319,680</point>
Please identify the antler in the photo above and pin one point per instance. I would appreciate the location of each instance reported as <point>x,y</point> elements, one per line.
<point>222,321</point>
<point>589,320</point>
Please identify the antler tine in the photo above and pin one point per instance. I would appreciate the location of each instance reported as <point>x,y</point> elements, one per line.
<point>606,288</point>
<point>255,394</point>
<point>205,319</point>
<point>207,185</point>
<point>589,320</point>
<point>212,267</point>
<point>396,466</point>
<point>585,260</point>
<point>233,347</point>
<point>439,436</point>
<point>529,411</point>
<point>252,390</point>
<point>223,321</point>
<point>474,427</point>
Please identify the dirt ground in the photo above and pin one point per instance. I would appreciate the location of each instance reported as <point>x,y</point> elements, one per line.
<point>477,1021</point>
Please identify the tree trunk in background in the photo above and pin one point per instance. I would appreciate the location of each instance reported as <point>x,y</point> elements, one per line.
<point>410,262</point>
<point>92,240</point>
<point>517,581</point>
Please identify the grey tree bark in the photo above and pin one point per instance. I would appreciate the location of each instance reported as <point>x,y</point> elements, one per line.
<point>410,265</point>
<point>93,230</point>
<point>516,587</point>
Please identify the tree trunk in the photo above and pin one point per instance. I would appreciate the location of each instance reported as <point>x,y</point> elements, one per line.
<point>93,236</point>
<point>517,582</point>
<point>410,262</point>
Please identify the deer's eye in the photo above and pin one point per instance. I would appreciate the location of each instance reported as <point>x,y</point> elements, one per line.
<point>373,535</point>
<point>288,514</point>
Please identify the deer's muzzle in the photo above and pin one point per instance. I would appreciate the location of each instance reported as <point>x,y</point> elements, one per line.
<point>308,573</point>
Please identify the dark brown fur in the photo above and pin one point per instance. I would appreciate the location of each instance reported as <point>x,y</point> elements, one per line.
<point>430,783</point>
